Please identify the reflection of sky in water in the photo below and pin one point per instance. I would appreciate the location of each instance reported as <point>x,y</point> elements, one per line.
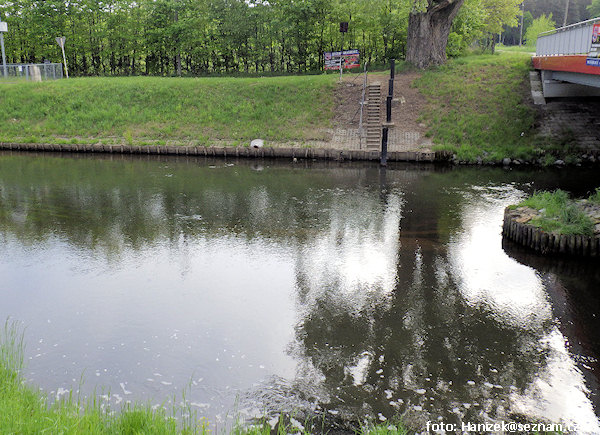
<point>515,295</point>
<point>559,391</point>
<point>328,291</point>
<point>486,275</point>
<point>150,327</point>
<point>356,256</point>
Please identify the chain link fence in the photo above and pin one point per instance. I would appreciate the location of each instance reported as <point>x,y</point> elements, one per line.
<point>35,72</point>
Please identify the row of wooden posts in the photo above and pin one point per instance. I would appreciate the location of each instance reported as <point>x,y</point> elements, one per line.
<point>548,243</point>
<point>388,114</point>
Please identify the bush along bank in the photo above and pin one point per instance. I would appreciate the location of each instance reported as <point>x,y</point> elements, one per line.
<point>553,223</point>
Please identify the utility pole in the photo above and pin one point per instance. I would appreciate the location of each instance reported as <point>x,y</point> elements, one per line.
<point>3,28</point>
<point>566,12</point>
<point>343,31</point>
<point>522,19</point>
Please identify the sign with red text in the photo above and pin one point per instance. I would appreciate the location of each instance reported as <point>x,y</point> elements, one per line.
<point>349,59</point>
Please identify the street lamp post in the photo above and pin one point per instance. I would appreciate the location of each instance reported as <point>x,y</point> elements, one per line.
<point>3,28</point>
<point>61,43</point>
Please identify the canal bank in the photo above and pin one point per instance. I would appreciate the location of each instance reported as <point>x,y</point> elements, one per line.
<point>474,110</point>
<point>224,151</point>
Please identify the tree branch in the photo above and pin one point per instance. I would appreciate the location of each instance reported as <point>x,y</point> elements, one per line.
<point>441,5</point>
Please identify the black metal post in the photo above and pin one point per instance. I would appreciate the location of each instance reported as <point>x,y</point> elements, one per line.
<point>388,109</point>
<point>392,68</point>
<point>384,146</point>
<point>391,88</point>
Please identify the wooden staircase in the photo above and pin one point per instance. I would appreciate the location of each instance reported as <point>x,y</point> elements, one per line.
<point>373,120</point>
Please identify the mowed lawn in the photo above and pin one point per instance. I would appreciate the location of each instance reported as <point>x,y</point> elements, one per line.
<point>140,110</point>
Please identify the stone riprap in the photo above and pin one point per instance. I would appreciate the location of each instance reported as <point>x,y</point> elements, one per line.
<point>518,227</point>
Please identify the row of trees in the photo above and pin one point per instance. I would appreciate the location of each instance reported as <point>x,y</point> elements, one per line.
<point>193,37</point>
<point>542,15</point>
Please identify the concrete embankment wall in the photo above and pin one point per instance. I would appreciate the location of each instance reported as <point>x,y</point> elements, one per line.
<point>300,153</point>
<point>548,243</point>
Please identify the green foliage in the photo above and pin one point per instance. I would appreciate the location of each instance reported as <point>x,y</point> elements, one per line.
<point>396,428</point>
<point>539,25</point>
<point>126,37</point>
<point>500,13</point>
<point>595,197</point>
<point>560,214</point>
<point>467,27</point>
<point>479,18</point>
<point>594,9</point>
<point>144,109</point>
<point>475,107</point>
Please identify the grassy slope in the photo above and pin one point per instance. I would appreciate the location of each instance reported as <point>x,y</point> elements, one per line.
<point>476,107</point>
<point>144,109</point>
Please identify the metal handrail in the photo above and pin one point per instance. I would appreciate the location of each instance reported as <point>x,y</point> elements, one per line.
<point>562,29</point>
<point>362,105</point>
<point>568,40</point>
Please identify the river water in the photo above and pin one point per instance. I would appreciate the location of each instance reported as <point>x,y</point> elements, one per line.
<point>246,288</point>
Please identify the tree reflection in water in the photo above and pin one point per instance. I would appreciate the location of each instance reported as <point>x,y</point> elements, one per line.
<point>404,302</point>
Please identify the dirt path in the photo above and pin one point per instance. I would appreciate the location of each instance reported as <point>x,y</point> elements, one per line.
<point>408,134</point>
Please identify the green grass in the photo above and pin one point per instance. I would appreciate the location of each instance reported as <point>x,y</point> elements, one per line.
<point>560,214</point>
<point>25,410</point>
<point>594,198</point>
<point>516,49</point>
<point>132,110</point>
<point>476,107</point>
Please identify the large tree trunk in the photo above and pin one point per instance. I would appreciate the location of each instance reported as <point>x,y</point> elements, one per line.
<point>428,33</point>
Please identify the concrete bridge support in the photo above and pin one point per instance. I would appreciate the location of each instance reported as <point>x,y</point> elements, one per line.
<point>556,84</point>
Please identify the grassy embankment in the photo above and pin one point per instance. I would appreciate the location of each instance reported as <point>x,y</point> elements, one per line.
<point>560,214</point>
<point>157,111</point>
<point>25,410</point>
<point>478,110</point>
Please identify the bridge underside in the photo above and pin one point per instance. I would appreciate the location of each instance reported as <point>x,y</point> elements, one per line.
<point>567,76</point>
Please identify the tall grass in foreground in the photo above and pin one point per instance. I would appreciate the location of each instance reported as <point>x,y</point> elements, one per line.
<point>559,213</point>
<point>24,410</point>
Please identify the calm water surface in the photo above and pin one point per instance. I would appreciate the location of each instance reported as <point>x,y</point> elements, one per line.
<point>247,287</point>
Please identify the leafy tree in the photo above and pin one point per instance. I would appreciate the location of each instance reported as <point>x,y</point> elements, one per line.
<point>499,14</point>
<point>594,9</point>
<point>539,25</point>
<point>467,27</point>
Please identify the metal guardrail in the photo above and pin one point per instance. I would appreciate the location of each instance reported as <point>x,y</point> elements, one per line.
<point>569,40</point>
<point>361,130</point>
<point>36,72</point>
